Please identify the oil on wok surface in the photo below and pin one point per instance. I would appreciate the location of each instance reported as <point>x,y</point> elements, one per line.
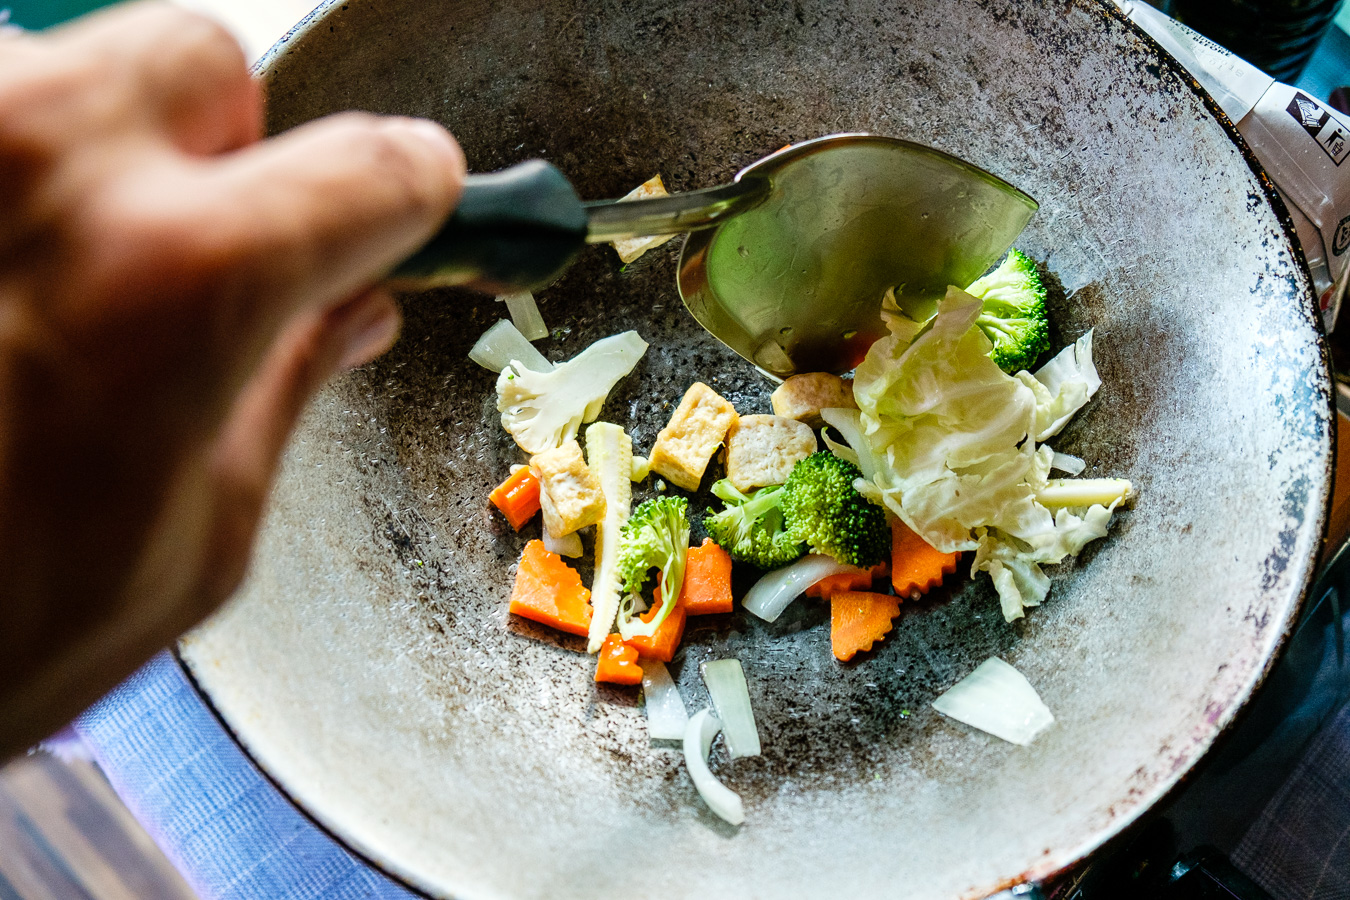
<point>369,663</point>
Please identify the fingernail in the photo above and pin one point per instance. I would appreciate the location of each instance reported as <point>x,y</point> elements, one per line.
<point>371,339</point>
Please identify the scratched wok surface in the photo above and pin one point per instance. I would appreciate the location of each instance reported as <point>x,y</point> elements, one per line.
<point>369,664</point>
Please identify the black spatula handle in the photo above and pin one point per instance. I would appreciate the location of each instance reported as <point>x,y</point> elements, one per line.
<point>513,230</point>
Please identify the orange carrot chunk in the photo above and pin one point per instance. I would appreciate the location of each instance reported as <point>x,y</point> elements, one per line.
<point>662,644</point>
<point>517,497</point>
<point>858,619</point>
<point>707,580</point>
<point>846,581</point>
<point>549,591</point>
<point>916,568</point>
<point>618,663</point>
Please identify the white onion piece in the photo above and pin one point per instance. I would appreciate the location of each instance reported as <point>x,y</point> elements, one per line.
<point>698,736</point>
<point>1066,463</point>
<point>772,593</point>
<point>666,716</point>
<point>567,545</point>
<point>848,422</point>
<point>998,699</point>
<point>502,345</point>
<point>731,698</point>
<point>525,315</point>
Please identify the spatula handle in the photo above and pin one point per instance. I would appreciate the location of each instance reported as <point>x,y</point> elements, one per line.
<point>513,230</point>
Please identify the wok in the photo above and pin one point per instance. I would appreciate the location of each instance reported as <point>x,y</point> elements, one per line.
<point>369,665</point>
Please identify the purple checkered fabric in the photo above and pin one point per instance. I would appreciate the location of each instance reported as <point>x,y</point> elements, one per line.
<point>1299,847</point>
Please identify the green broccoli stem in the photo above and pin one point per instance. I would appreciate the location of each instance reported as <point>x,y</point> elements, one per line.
<point>991,323</point>
<point>764,500</point>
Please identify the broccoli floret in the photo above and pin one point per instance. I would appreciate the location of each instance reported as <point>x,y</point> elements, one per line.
<point>822,508</point>
<point>1013,313</point>
<point>655,536</point>
<point>751,527</point>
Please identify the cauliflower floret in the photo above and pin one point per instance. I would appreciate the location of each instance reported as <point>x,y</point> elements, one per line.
<point>543,410</point>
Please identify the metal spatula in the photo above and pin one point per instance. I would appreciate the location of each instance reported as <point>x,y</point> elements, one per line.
<point>787,264</point>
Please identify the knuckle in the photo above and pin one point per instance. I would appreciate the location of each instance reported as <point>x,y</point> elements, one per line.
<point>408,166</point>
<point>386,162</point>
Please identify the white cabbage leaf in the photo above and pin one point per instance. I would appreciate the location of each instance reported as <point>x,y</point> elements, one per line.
<point>1063,386</point>
<point>958,443</point>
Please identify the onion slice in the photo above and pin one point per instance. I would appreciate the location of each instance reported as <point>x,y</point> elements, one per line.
<point>666,715</point>
<point>525,315</point>
<point>772,593</point>
<point>725,680</point>
<point>998,699</point>
<point>698,736</point>
<point>502,345</point>
<point>567,545</point>
<point>1066,463</point>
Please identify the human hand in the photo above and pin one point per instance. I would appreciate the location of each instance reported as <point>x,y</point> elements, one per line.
<point>172,291</point>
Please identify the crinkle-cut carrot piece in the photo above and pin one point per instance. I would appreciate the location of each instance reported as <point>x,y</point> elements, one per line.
<point>916,568</point>
<point>707,580</point>
<point>858,619</point>
<point>847,581</point>
<point>549,591</point>
<point>618,662</point>
<point>661,645</point>
<point>517,497</point>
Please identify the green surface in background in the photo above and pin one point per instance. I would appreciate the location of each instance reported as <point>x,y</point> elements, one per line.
<point>35,14</point>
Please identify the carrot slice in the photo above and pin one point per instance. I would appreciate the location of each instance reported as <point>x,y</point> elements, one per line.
<point>846,581</point>
<point>858,619</point>
<point>707,580</point>
<point>549,591</point>
<point>618,663</point>
<point>517,497</point>
<point>916,568</point>
<point>661,645</point>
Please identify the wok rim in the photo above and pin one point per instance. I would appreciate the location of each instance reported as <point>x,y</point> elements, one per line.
<point>1122,828</point>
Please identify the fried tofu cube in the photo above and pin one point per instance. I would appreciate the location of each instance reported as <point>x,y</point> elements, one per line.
<point>762,450</point>
<point>691,437</point>
<point>802,397</point>
<point>569,493</point>
<point>630,249</point>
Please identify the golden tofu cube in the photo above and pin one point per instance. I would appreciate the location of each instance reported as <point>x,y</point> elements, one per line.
<point>802,397</point>
<point>630,249</point>
<point>761,450</point>
<point>691,437</point>
<point>569,494</point>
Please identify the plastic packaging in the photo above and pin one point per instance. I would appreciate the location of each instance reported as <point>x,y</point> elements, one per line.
<point>1301,142</point>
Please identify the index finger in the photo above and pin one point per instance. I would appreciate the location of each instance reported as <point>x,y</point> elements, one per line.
<point>324,210</point>
<point>303,220</point>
